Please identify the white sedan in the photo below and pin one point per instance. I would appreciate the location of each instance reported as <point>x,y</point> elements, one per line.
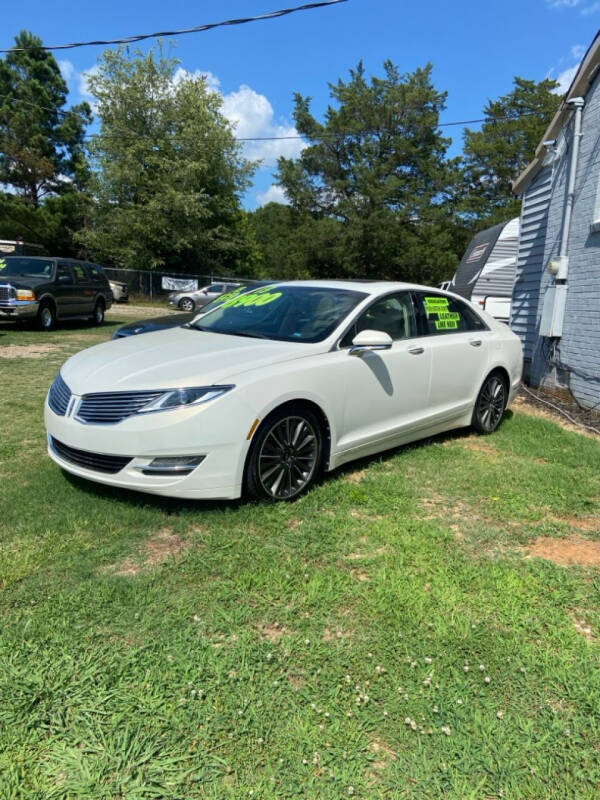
<point>276,385</point>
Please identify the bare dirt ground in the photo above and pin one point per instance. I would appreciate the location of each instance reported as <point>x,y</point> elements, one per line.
<point>529,405</point>
<point>130,310</point>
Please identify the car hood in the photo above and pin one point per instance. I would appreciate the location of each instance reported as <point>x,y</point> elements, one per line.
<point>22,282</point>
<point>158,323</point>
<point>170,358</point>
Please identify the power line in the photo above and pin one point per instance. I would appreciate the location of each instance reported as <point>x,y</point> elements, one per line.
<point>338,135</point>
<point>196,29</point>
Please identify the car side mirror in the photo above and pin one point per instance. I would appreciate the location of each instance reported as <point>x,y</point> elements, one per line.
<point>65,279</point>
<point>370,340</point>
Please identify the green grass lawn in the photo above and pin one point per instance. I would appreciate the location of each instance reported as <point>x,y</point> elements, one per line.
<point>385,636</point>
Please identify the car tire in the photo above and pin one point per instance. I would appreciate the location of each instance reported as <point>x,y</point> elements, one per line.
<point>187,304</point>
<point>286,455</point>
<point>46,317</point>
<point>98,315</point>
<point>490,404</point>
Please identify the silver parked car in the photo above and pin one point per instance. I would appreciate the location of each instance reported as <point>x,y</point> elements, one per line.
<point>120,291</point>
<point>190,301</point>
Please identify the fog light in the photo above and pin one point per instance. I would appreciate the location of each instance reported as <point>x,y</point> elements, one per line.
<point>172,465</point>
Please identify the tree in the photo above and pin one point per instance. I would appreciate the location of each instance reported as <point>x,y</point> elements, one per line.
<point>167,170</point>
<point>376,171</point>
<point>41,144</point>
<point>495,155</point>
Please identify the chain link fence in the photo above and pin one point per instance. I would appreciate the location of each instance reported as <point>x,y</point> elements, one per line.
<point>146,285</point>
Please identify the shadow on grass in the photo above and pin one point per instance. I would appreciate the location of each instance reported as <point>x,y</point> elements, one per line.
<point>174,505</point>
<point>168,505</point>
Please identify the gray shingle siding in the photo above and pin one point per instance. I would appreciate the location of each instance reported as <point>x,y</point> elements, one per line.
<point>543,208</point>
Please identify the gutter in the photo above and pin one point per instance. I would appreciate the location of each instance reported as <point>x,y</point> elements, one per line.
<point>585,75</point>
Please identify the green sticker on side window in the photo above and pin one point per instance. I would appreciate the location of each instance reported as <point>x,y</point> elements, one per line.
<point>436,302</point>
<point>446,324</point>
<point>259,297</point>
<point>2,264</point>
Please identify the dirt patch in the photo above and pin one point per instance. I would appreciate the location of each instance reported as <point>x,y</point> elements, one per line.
<point>383,754</point>
<point>356,477</point>
<point>530,407</point>
<point>361,556</point>
<point>297,682</point>
<point>588,524</point>
<point>337,635</point>
<point>272,631</point>
<point>581,626</point>
<point>156,551</point>
<point>360,575</point>
<point>27,350</point>
<point>356,514</point>
<point>294,524</point>
<point>478,444</point>
<point>574,551</point>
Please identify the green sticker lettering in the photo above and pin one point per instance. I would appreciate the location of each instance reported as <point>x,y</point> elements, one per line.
<point>259,297</point>
<point>433,302</point>
<point>2,264</point>
<point>449,315</point>
<point>446,324</point>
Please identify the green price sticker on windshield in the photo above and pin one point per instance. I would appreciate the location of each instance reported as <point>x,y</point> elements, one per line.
<point>259,297</point>
<point>2,264</point>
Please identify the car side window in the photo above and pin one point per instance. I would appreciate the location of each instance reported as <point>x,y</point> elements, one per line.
<point>64,270</point>
<point>440,314</point>
<point>392,314</point>
<point>95,272</point>
<point>80,273</point>
<point>216,288</point>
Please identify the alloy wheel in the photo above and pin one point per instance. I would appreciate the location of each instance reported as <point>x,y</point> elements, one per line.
<point>491,403</point>
<point>46,318</point>
<point>186,304</point>
<point>288,457</point>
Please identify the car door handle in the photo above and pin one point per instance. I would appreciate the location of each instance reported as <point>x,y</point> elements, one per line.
<point>475,342</point>
<point>416,351</point>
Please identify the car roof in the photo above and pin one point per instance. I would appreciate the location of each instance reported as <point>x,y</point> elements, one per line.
<point>372,287</point>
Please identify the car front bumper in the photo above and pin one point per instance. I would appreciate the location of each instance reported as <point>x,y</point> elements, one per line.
<point>19,309</point>
<point>216,430</point>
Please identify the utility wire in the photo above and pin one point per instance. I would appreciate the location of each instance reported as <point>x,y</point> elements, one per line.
<point>340,135</point>
<point>196,29</point>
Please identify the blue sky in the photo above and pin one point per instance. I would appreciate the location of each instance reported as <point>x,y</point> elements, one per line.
<point>476,46</point>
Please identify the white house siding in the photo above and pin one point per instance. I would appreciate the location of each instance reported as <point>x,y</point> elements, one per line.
<point>574,360</point>
<point>525,312</point>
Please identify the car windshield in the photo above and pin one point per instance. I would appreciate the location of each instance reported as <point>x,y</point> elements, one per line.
<point>28,267</point>
<point>284,312</point>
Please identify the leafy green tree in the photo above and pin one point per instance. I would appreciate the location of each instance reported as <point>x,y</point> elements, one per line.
<point>167,170</point>
<point>495,155</point>
<point>376,171</point>
<point>41,143</point>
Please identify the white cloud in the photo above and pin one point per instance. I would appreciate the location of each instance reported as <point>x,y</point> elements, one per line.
<point>84,86</point>
<point>274,194</point>
<point>565,75</point>
<point>67,69</point>
<point>211,80</point>
<point>252,116</point>
<point>585,9</point>
<point>250,113</point>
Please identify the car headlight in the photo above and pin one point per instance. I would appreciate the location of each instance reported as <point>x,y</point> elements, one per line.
<point>192,396</point>
<point>25,294</point>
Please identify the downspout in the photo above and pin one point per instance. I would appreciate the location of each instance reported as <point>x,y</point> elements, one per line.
<point>563,258</point>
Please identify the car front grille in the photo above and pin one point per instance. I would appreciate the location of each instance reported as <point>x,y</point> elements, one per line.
<point>98,462</point>
<point>111,407</point>
<point>7,293</point>
<point>59,396</point>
